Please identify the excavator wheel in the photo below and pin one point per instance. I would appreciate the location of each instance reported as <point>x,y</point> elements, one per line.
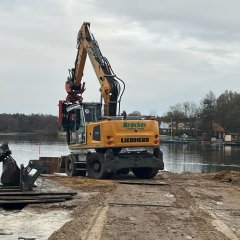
<point>95,166</point>
<point>145,173</point>
<point>70,166</point>
<point>158,153</point>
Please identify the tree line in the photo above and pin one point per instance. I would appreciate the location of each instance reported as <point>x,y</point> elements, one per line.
<point>224,110</point>
<point>38,123</point>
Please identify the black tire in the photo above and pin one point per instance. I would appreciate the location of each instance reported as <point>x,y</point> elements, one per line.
<point>70,166</point>
<point>95,166</point>
<point>145,173</point>
<point>158,153</point>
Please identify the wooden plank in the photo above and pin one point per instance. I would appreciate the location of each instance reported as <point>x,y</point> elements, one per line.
<point>10,190</point>
<point>18,197</point>
<point>4,187</point>
<point>36,193</point>
<point>11,202</point>
<point>143,183</point>
<point>138,205</point>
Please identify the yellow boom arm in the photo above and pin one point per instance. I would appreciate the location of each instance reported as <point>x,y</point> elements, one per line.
<point>109,82</point>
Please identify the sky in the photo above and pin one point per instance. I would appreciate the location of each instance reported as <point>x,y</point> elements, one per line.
<point>166,51</point>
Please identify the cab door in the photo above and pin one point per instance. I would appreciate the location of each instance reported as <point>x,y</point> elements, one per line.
<point>76,125</point>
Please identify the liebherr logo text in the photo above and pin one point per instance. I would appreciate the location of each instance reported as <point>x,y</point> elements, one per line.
<point>134,125</point>
<point>131,140</point>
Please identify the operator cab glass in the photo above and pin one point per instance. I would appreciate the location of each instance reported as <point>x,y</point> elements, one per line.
<point>92,111</point>
<point>76,124</point>
<point>77,118</point>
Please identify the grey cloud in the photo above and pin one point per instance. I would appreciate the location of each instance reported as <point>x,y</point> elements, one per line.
<point>166,51</point>
<point>204,19</point>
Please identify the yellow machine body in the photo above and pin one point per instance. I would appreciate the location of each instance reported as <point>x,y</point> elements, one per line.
<point>118,134</point>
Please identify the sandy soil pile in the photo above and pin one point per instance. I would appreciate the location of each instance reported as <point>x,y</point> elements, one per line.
<point>232,176</point>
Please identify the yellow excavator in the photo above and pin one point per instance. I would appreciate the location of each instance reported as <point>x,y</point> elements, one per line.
<point>104,144</point>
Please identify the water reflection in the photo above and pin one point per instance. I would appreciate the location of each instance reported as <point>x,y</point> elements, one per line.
<point>27,147</point>
<point>33,138</point>
<point>177,157</point>
<point>200,157</point>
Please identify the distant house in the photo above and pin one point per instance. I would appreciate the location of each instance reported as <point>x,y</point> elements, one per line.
<point>217,131</point>
<point>165,128</point>
<point>181,126</point>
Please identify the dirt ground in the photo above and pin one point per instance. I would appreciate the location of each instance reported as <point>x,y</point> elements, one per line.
<point>171,206</point>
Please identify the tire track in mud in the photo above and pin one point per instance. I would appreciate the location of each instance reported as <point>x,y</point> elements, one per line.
<point>88,221</point>
<point>178,216</point>
<point>187,207</point>
<point>97,223</point>
<point>204,221</point>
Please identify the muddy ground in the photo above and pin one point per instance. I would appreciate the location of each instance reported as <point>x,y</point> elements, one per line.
<point>172,206</point>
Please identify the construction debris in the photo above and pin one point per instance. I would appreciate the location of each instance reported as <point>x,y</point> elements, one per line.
<point>17,183</point>
<point>144,183</point>
<point>23,198</point>
<point>11,172</point>
<point>22,178</point>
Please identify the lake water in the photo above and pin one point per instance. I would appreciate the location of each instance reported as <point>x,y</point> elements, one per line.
<point>177,157</point>
<point>27,147</point>
<point>200,157</point>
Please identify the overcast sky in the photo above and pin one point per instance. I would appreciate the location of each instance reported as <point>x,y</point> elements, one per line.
<point>166,51</point>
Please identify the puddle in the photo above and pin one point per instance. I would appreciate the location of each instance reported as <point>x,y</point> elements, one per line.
<point>29,223</point>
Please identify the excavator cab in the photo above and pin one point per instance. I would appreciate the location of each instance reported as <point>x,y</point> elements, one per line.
<point>74,118</point>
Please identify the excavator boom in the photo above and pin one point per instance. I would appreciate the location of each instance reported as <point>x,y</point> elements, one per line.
<point>109,83</point>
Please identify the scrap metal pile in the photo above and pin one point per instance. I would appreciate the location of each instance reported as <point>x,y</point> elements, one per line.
<point>11,172</point>
<point>16,185</point>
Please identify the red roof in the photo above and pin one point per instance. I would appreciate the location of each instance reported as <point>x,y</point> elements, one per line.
<point>217,127</point>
